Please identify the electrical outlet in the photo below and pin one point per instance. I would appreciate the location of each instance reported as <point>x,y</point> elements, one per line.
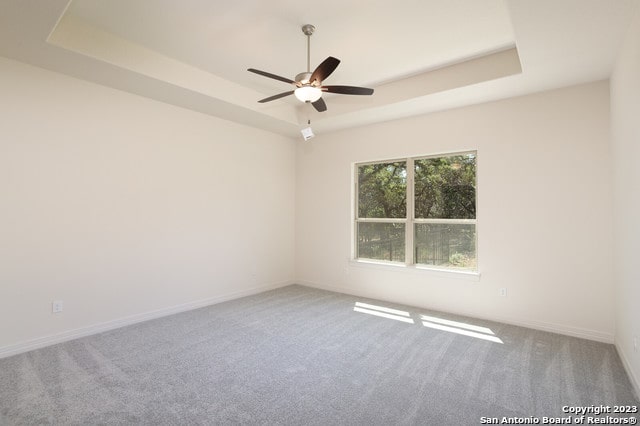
<point>56,306</point>
<point>503,292</point>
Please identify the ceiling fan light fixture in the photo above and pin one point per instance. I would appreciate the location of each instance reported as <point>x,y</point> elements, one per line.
<point>308,93</point>
<point>308,84</point>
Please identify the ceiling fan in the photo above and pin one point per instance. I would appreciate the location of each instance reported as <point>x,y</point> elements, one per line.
<point>308,84</point>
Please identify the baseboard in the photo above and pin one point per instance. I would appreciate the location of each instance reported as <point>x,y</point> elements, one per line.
<point>627,366</point>
<point>536,325</point>
<point>65,336</point>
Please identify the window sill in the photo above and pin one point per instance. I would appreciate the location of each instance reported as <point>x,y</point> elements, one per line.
<point>425,270</point>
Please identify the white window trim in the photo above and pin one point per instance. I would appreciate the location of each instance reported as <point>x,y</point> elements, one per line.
<point>382,265</point>
<point>409,265</point>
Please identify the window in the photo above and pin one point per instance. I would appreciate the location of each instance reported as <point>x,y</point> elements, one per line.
<point>418,211</point>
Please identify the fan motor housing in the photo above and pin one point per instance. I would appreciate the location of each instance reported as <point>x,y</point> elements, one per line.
<point>303,77</point>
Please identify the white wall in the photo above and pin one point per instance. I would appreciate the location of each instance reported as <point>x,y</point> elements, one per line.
<point>121,206</point>
<point>544,210</point>
<point>625,124</point>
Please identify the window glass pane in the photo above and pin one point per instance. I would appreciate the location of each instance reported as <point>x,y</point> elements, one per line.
<point>381,241</point>
<point>382,190</point>
<point>445,187</point>
<point>446,245</point>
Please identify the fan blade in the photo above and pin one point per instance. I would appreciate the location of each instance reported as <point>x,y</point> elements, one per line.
<point>348,90</point>
<point>274,97</point>
<point>319,105</point>
<point>325,69</point>
<point>268,74</point>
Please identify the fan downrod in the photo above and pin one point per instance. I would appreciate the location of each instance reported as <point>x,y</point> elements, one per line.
<point>308,29</point>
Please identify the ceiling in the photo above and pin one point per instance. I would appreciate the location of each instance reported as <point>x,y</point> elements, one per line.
<point>420,56</point>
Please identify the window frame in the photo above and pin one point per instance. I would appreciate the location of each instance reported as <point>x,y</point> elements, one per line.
<point>375,219</point>
<point>410,220</point>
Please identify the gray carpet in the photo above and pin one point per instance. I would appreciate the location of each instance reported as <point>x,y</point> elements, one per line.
<point>301,356</point>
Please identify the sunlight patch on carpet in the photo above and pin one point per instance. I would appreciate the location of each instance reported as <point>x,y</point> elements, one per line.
<point>384,312</point>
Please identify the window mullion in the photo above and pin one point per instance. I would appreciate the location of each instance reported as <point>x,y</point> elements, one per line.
<point>408,229</point>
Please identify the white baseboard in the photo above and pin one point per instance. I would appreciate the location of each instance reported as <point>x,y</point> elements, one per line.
<point>65,336</point>
<point>53,339</point>
<point>583,333</point>
<point>627,366</point>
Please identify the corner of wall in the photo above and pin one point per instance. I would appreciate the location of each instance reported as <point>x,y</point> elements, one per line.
<point>625,131</point>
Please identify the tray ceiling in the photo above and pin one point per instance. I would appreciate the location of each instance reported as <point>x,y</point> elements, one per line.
<point>419,56</point>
